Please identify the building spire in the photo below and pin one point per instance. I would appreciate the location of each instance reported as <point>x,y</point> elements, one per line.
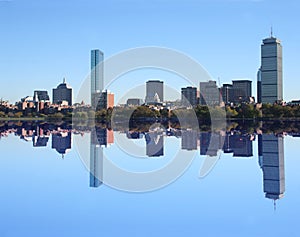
<point>271,31</point>
<point>64,80</point>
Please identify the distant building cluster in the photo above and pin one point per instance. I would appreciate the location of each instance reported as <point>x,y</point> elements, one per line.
<point>269,85</point>
<point>40,101</point>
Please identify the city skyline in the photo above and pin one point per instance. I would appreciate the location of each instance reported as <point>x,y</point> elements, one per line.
<point>199,36</point>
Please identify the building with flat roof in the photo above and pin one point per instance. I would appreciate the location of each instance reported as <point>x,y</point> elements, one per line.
<point>154,92</point>
<point>97,77</point>
<point>41,95</point>
<point>189,96</point>
<point>242,91</point>
<point>209,93</point>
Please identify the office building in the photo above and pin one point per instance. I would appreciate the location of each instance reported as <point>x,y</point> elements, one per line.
<point>189,96</point>
<point>105,100</point>
<point>40,95</point>
<point>259,86</point>
<point>209,93</point>
<point>242,91</point>
<point>154,91</point>
<point>270,73</point>
<point>227,93</point>
<point>62,93</point>
<point>134,102</point>
<point>97,77</point>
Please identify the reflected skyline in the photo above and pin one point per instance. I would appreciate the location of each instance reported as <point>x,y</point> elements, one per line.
<point>235,142</point>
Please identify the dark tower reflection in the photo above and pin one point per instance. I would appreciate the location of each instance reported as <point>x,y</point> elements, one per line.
<point>271,160</point>
<point>211,143</point>
<point>238,144</point>
<point>61,142</point>
<point>154,144</point>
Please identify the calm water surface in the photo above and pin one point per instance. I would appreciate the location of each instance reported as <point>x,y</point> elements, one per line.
<point>47,190</point>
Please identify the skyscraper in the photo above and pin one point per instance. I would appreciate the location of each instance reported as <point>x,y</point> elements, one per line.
<point>271,71</point>
<point>209,93</point>
<point>63,92</point>
<point>97,80</point>
<point>189,96</point>
<point>154,91</point>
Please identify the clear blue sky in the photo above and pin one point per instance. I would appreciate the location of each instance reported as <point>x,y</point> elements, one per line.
<point>43,41</point>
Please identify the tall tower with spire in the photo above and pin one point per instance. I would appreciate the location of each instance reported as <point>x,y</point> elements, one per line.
<point>270,85</point>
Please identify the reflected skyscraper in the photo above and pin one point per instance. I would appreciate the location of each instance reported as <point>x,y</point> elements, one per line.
<point>189,140</point>
<point>96,160</point>
<point>100,138</point>
<point>271,159</point>
<point>210,143</point>
<point>154,144</point>
<point>62,142</point>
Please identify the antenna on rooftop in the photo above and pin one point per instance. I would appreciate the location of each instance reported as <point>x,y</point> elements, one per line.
<point>271,31</point>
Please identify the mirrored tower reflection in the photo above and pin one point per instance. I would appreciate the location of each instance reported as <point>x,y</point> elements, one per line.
<point>154,144</point>
<point>100,138</point>
<point>271,160</point>
<point>62,142</point>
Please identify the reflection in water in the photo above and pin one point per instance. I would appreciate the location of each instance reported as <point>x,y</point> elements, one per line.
<point>240,144</point>
<point>61,142</point>
<point>210,143</point>
<point>189,140</point>
<point>154,144</point>
<point>100,138</point>
<point>271,160</point>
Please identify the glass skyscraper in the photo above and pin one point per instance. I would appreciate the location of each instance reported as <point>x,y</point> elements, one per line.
<point>97,80</point>
<point>270,74</point>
